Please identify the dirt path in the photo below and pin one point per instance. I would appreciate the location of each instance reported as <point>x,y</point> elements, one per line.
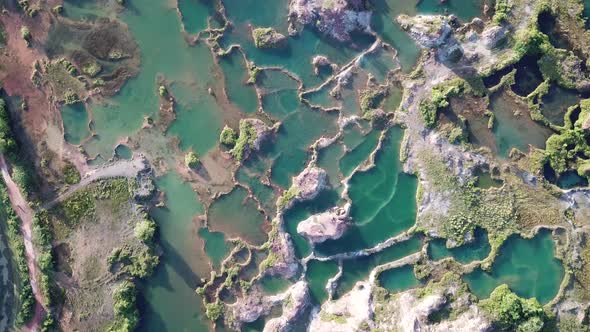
<point>123,168</point>
<point>25,213</point>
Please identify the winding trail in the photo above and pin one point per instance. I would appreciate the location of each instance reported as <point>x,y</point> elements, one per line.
<point>25,213</point>
<point>123,168</point>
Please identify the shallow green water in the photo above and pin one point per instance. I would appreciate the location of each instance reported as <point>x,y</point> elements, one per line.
<point>164,51</point>
<point>360,268</point>
<point>528,267</point>
<point>216,247</point>
<point>75,119</point>
<point>195,14</point>
<point>123,151</point>
<point>198,122</point>
<point>485,180</point>
<point>290,149</point>
<point>274,285</point>
<point>476,250</point>
<point>556,102</point>
<point>170,300</point>
<point>236,75</point>
<point>236,215</point>
<point>318,273</point>
<point>383,201</point>
<point>359,153</point>
<point>398,279</point>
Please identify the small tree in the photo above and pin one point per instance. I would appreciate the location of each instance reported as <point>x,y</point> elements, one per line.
<point>191,160</point>
<point>145,230</point>
<point>228,136</point>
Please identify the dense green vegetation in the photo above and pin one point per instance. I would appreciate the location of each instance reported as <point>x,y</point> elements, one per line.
<point>15,238</point>
<point>7,143</point>
<point>247,137</point>
<point>268,38</point>
<point>145,230</point>
<point>191,160</point>
<point>502,10</point>
<point>137,261</point>
<point>228,136</point>
<point>125,307</point>
<point>511,312</point>
<point>71,174</point>
<point>439,99</point>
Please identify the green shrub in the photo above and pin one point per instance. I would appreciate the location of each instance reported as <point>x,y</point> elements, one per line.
<point>145,230</point>
<point>191,160</point>
<point>125,308</point>
<point>268,38</point>
<point>501,12</point>
<point>247,137</point>
<point>92,69</point>
<point>214,310</point>
<point>511,312</point>
<point>26,34</point>
<point>287,197</point>
<point>162,91</point>
<point>228,136</point>
<point>70,97</point>
<point>370,99</point>
<point>71,174</point>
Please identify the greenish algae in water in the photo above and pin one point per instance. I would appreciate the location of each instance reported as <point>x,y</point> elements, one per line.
<point>383,201</point>
<point>215,246</point>
<point>527,266</point>
<point>359,268</point>
<point>318,273</point>
<point>476,250</point>
<point>123,151</point>
<point>236,215</point>
<point>399,279</point>
<point>515,131</point>
<point>236,75</point>
<point>170,300</point>
<point>556,102</point>
<point>486,181</point>
<point>75,120</point>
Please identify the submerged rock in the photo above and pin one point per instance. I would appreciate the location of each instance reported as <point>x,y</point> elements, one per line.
<point>429,31</point>
<point>335,18</point>
<point>268,38</point>
<point>329,225</point>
